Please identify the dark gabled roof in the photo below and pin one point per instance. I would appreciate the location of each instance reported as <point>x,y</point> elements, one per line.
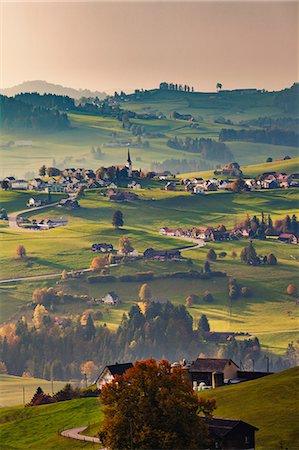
<point>221,427</point>
<point>113,295</point>
<point>119,369</point>
<point>210,364</point>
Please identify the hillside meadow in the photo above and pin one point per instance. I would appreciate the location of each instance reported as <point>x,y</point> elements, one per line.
<point>13,389</point>
<point>24,428</point>
<point>72,147</point>
<point>68,248</point>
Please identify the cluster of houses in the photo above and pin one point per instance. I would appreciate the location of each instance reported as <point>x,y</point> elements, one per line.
<point>43,224</point>
<point>206,373</point>
<point>209,233</point>
<point>268,180</point>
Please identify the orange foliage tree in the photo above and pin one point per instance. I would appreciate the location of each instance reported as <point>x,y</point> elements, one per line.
<point>291,289</point>
<point>98,263</point>
<point>153,406</point>
<point>89,369</point>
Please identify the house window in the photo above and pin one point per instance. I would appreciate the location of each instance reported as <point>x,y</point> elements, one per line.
<point>246,440</point>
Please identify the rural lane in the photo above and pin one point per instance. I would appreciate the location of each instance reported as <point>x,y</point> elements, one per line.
<point>73,433</point>
<point>12,217</point>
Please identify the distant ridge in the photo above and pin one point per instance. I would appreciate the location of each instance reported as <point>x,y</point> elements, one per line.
<point>43,87</point>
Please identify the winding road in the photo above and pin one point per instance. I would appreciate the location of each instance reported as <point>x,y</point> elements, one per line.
<point>12,217</point>
<point>73,433</point>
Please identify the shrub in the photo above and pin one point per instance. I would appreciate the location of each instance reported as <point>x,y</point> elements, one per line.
<point>222,254</point>
<point>291,289</point>
<point>208,297</point>
<point>271,259</point>
<point>144,276</point>
<point>245,291</point>
<point>234,254</point>
<point>21,251</point>
<point>101,279</point>
<point>211,255</point>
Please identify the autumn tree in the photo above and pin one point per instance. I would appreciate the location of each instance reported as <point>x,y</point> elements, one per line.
<point>89,369</point>
<point>291,289</point>
<point>117,219</point>
<point>248,254</point>
<point>38,316</point>
<point>145,294</point>
<point>152,406</point>
<point>189,301</point>
<point>238,185</point>
<point>21,251</point>
<point>125,245</point>
<point>3,368</point>
<point>98,263</point>
<point>40,398</point>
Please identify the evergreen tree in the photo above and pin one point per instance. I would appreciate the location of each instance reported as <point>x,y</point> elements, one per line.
<point>89,328</point>
<point>117,219</point>
<point>42,171</point>
<point>203,324</point>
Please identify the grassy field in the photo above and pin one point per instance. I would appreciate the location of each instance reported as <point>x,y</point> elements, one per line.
<point>39,427</point>
<point>69,248</point>
<point>270,404</point>
<point>11,389</point>
<point>288,166</point>
<point>72,148</point>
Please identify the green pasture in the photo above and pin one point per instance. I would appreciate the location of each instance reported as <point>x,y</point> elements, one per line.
<point>270,313</point>
<point>39,427</point>
<point>72,147</point>
<point>270,404</point>
<point>288,166</point>
<point>14,390</point>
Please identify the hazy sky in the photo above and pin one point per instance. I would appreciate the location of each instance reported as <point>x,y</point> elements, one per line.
<point>127,45</point>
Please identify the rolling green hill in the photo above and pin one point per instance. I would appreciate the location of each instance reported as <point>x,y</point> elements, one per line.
<point>288,166</point>
<point>11,389</point>
<point>73,147</point>
<point>270,404</point>
<point>261,314</point>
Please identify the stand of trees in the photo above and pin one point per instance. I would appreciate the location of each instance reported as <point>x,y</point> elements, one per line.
<point>274,136</point>
<point>17,114</point>
<point>207,148</point>
<point>53,349</point>
<point>50,101</point>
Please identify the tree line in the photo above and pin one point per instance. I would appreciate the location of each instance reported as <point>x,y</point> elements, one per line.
<point>274,136</point>
<point>52,349</point>
<point>207,148</point>
<point>17,114</point>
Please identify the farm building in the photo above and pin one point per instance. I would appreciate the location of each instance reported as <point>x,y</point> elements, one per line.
<point>288,238</point>
<point>212,371</point>
<point>111,299</point>
<point>102,248</point>
<point>33,202</point>
<point>109,373</point>
<point>161,254</point>
<point>230,434</point>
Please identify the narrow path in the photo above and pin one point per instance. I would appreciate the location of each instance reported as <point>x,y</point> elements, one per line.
<point>40,277</point>
<point>73,433</point>
<point>12,217</point>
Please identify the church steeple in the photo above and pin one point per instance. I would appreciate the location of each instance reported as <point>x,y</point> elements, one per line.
<point>129,161</point>
<point>129,157</point>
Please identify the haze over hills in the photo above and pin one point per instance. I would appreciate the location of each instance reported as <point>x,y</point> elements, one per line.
<point>43,87</point>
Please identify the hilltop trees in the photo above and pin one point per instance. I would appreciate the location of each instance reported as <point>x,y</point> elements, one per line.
<point>152,406</point>
<point>117,219</point>
<point>42,171</point>
<point>211,255</point>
